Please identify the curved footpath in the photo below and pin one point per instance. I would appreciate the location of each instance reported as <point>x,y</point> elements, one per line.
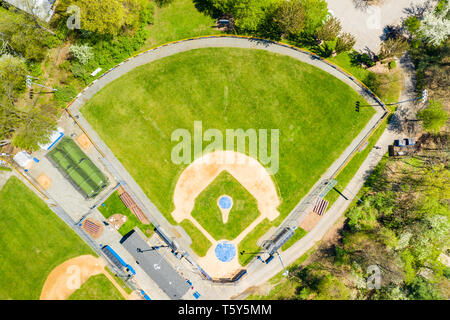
<point>258,273</point>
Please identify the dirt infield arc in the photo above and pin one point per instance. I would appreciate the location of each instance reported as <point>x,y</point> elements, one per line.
<point>248,171</point>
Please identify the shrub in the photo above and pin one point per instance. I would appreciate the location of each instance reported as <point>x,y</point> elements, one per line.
<point>393,48</point>
<point>64,95</point>
<point>392,65</point>
<point>330,29</point>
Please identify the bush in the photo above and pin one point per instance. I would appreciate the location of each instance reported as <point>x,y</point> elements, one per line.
<point>392,65</point>
<point>330,29</point>
<point>83,53</point>
<point>393,48</point>
<point>345,42</point>
<point>64,95</point>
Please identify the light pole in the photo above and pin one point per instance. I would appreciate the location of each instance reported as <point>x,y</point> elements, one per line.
<point>423,98</point>
<point>286,272</point>
<point>29,82</point>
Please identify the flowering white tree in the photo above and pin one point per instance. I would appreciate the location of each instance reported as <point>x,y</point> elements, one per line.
<point>435,26</point>
<point>83,53</point>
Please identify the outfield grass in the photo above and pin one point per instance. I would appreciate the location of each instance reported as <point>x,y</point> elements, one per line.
<point>33,241</point>
<point>97,287</point>
<point>227,89</point>
<point>179,20</point>
<point>242,214</point>
<point>114,205</point>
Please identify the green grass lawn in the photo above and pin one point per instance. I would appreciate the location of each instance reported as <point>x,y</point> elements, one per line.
<point>120,281</point>
<point>114,205</point>
<point>344,61</point>
<point>179,20</point>
<point>97,287</point>
<point>33,241</point>
<point>298,234</point>
<point>227,88</point>
<point>242,214</point>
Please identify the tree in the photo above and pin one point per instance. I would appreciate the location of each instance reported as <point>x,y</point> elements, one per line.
<point>22,36</point>
<point>83,53</point>
<point>412,24</point>
<point>421,289</point>
<point>329,30</point>
<point>35,127</point>
<point>345,42</point>
<point>248,14</point>
<point>12,75</point>
<point>435,25</point>
<point>289,16</point>
<point>434,117</point>
<point>393,47</point>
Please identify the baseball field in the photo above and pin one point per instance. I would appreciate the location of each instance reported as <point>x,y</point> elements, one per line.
<point>226,88</point>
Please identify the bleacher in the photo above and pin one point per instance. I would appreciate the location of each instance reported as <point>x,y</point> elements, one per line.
<point>130,204</point>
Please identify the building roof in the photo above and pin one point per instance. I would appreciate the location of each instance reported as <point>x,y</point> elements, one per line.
<point>43,9</point>
<point>155,266</point>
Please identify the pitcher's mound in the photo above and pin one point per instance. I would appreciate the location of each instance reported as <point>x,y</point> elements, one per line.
<point>84,141</point>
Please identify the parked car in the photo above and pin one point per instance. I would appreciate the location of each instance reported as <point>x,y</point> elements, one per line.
<point>404,142</point>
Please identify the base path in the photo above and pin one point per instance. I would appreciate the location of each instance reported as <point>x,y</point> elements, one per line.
<point>68,277</point>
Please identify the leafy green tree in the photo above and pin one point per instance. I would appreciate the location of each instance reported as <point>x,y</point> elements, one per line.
<point>35,127</point>
<point>421,289</point>
<point>329,30</point>
<point>248,14</point>
<point>412,24</point>
<point>393,47</point>
<point>23,37</point>
<point>83,53</point>
<point>345,42</point>
<point>289,16</point>
<point>316,12</point>
<point>12,75</point>
<point>434,117</point>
